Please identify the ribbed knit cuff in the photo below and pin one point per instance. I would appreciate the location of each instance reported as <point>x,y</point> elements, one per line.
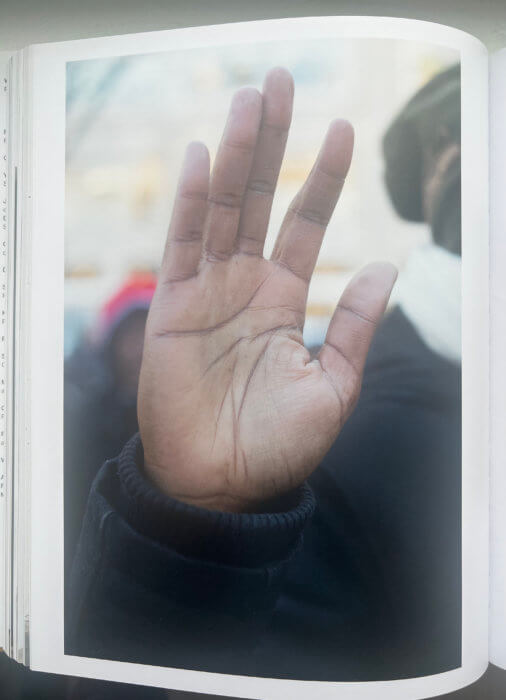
<point>236,539</point>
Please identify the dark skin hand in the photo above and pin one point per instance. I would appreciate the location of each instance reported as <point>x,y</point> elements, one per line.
<point>232,409</point>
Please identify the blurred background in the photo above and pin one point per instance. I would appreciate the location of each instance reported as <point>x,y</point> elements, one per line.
<point>130,118</point>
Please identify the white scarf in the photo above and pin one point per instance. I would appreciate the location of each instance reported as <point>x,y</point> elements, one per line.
<point>429,293</point>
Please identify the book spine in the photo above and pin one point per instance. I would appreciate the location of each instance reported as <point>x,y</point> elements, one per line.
<point>16,375</point>
<point>12,584</point>
<point>5,510</point>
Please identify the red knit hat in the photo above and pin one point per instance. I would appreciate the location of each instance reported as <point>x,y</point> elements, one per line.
<point>135,294</point>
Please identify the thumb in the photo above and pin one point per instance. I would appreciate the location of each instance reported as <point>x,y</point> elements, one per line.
<point>354,322</point>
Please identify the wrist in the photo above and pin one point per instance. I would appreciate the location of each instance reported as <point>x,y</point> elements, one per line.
<point>249,539</point>
<point>160,477</point>
<point>227,503</point>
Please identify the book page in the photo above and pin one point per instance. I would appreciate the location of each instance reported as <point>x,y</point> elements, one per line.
<point>363,573</point>
<point>498,367</point>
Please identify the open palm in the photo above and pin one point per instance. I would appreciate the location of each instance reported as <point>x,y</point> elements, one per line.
<point>232,410</point>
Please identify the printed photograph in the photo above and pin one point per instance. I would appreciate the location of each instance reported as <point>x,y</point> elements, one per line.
<point>262,380</point>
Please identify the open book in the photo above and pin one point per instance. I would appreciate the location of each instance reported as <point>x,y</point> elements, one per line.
<point>360,567</point>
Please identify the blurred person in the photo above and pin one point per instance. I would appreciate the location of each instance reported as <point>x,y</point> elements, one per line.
<point>267,520</point>
<point>100,402</point>
<point>404,481</point>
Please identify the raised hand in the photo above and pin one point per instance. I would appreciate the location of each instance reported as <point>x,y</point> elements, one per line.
<point>232,410</point>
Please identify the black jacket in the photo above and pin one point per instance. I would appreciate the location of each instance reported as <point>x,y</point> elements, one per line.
<point>99,419</point>
<point>356,577</point>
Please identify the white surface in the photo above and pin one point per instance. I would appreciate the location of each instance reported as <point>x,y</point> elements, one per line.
<point>24,22</point>
<point>47,352</point>
<point>498,360</point>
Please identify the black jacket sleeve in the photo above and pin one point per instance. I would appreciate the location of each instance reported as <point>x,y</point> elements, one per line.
<point>159,581</point>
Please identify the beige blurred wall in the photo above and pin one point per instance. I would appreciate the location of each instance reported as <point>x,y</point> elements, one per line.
<point>24,22</point>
